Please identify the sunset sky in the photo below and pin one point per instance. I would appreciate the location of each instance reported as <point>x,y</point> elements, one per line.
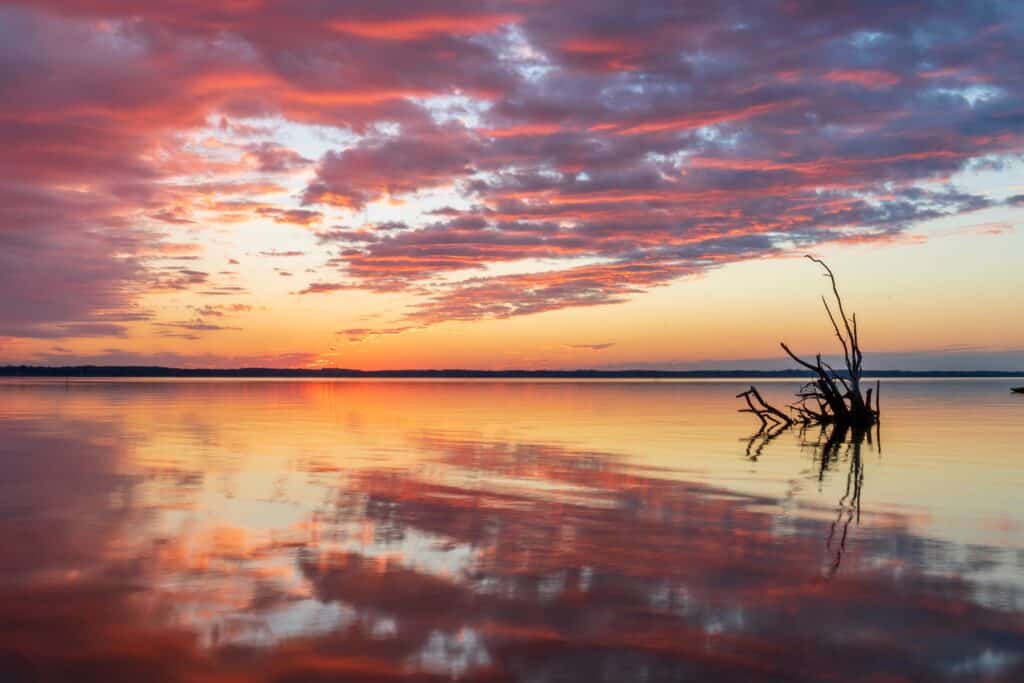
<point>580,183</point>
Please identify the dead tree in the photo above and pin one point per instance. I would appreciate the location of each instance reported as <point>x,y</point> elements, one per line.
<point>831,397</point>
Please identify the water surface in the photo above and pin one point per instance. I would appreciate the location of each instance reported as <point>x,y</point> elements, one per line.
<point>294,531</point>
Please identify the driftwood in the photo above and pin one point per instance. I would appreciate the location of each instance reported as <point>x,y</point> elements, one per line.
<point>831,397</point>
<point>768,414</point>
<point>773,421</point>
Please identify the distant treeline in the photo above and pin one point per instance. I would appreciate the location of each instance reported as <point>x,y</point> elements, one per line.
<point>156,371</point>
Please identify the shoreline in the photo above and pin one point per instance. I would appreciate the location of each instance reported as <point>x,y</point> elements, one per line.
<point>86,371</point>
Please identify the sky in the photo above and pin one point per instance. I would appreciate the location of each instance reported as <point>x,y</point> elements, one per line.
<point>517,184</point>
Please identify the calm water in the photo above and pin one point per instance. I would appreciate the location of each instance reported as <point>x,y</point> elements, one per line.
<point>598,531</point>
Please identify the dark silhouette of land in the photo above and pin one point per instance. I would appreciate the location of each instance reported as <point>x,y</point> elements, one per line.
<point>455,373</point>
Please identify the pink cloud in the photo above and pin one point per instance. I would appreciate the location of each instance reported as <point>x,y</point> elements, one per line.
<point>868,78</point>
<point>650,142</point>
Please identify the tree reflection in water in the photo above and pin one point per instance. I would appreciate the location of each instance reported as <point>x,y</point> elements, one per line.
<point>830,446</point>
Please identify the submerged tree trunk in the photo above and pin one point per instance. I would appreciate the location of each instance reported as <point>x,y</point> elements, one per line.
<point>831,397</point>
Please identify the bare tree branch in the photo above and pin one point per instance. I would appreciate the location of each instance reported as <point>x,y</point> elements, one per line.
<point>836,394</point>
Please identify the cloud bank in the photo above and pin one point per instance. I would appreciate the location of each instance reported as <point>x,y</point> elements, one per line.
<point>590,149</point>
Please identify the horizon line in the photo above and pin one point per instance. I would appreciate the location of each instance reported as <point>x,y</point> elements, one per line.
<point>142,371</point>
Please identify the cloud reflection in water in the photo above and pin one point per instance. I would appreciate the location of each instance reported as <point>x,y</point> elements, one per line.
<point>479,558</point>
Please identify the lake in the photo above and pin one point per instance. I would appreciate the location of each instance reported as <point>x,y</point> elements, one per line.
<point>293,531</point>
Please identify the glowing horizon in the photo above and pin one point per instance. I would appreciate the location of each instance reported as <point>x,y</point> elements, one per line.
<point>507,184</point>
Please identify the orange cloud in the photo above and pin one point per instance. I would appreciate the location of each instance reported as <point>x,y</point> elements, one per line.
<point>415,27</point>
<point>868,78</point>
